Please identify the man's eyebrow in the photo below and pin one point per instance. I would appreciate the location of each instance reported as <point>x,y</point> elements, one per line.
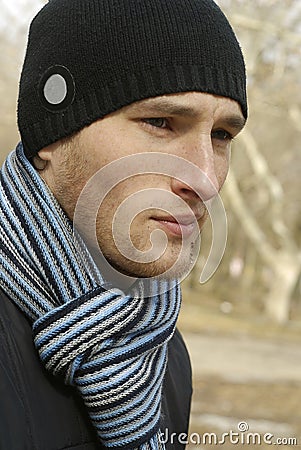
<point>234,121</point>
<point>165,107</point>
<point>169,107</point>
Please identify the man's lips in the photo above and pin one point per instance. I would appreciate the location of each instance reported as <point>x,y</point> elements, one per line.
<point>182,226</point>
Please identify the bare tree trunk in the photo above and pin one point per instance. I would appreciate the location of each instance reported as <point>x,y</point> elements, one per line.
<point>285,263</point>
<point>286,272</point>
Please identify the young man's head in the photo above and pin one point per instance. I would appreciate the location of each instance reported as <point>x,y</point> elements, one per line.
<point>108,79</point>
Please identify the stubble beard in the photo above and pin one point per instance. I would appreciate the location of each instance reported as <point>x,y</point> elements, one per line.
<point>70,179</point>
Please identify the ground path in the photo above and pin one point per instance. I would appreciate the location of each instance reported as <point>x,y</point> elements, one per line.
<point>240,378</point>
<point>244,358</point>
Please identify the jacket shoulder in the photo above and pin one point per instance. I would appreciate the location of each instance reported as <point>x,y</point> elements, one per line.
<point>33,403</point>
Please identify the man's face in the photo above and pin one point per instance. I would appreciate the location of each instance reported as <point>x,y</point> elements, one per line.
<point>195,126</point>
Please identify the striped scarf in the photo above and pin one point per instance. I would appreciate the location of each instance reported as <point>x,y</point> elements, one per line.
<point>110,345</point>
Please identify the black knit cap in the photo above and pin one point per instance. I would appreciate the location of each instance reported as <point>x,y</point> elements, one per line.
<point>88,58</point>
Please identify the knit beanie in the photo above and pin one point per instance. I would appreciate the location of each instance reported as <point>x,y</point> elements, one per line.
<point>88,58</point>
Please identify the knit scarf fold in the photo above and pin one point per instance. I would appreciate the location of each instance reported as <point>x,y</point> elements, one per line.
<point>110,345</point>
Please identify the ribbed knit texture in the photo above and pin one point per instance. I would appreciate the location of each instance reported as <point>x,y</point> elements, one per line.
<point>112,347</point>
<point>121,51</point>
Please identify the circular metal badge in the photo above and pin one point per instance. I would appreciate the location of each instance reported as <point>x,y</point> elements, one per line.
<point>57,89</point>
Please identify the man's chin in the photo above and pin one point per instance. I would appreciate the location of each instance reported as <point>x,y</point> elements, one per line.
<point>176,263</point>
<point>162,268</point>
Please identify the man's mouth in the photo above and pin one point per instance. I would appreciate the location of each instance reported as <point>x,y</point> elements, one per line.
<point>182,226</point>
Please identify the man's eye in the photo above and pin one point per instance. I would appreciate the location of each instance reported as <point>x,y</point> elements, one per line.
<point>221,135</point>
<point>157,122</point>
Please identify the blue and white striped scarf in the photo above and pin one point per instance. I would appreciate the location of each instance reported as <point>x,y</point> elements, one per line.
<point>111,346</point>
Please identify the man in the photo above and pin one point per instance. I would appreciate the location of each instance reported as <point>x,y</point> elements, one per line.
<point>126,112</point>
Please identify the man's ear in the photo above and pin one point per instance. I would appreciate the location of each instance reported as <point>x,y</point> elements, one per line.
<point>39,163</point>
<point>44,156</point>
<point>46,153</point>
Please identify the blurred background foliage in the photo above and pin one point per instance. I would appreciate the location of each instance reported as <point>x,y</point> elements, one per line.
<point>15,16</point>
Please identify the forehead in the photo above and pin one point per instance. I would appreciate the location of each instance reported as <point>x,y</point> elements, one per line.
<point>189,104</point>
<point>191,101</point>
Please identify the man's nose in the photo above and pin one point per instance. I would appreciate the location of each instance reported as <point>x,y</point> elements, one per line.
<point>202,181</point>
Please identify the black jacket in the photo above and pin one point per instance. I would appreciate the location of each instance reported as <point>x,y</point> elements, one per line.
<point>38,412</point>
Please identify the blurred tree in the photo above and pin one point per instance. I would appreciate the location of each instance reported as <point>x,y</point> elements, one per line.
<point>14,21</point>
<point>263,187</point>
